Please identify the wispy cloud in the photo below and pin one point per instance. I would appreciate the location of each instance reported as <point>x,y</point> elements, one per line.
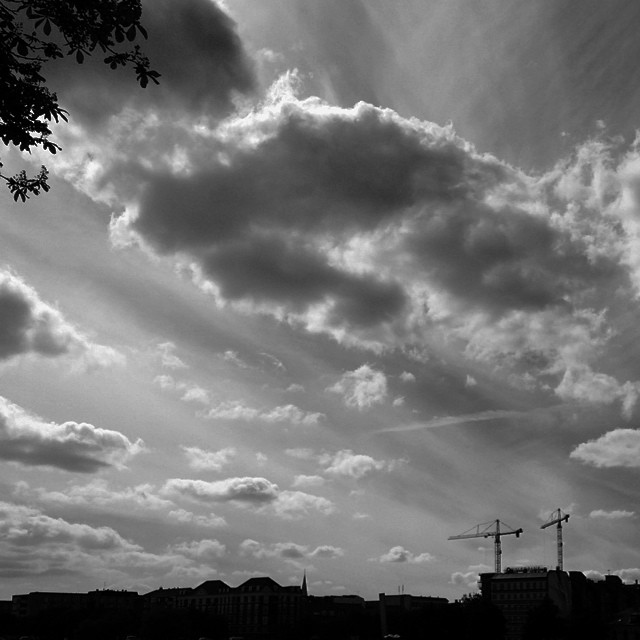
<point>446,421</point>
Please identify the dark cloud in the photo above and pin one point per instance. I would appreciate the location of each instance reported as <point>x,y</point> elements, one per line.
<point>26,324</point>
<point>193,44</point>
<point>312,169</point>
<point>501,258</point>
<point>29,325</point>
<point>373,228</point>
<point>253,217</point>
<point>75,447</point>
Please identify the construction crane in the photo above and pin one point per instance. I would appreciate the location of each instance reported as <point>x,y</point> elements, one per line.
<point>494,529</point>
<point>557,518</point>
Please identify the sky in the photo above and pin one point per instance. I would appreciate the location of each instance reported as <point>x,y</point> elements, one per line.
<point>357,276</point>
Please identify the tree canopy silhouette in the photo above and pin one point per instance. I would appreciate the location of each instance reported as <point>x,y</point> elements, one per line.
<point>33,32</point>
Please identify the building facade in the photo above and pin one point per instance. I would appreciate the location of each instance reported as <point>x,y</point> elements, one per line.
<point>518,591</point>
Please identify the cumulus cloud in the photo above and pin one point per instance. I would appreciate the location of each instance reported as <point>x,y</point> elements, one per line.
<point>259,493</point>
<point>284,414</point>
<point>617,448</point>
<point>202,460</point>
<point>471,578</point>
<point>293,505</point>
<point>30,326</point>
<point>362,388</point>
<point>33,544</point>
<point>27,526</point>
<point>288,550</point>
<point>247,490</point>
<point>630,575</point>
<point>188,517</point>
<point>72,446</point>
<point>353,465</point>
<point>615,514</point>
<point>201,550</point>
<point>387,232</point>
<point>400,554</point>
<point>406,376</point>
<point>190,392</point>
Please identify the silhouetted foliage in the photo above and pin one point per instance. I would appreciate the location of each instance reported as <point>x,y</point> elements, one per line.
<point>35,31</point>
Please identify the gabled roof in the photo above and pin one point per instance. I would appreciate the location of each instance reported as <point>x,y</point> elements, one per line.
<point>211,587</point>
<point>262,583</point>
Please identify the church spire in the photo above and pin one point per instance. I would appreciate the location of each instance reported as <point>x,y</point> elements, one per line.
<point>303,588</point>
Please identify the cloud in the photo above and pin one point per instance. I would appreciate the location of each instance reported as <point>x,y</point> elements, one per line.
<point>200,550</point>
<point>617,448</point>
<point>406,376</point>
<point>30,326</point>
<point>616,514</point>
<point>71,446</point>
<point>629,576</point>
<point>293,505</point>
<point>259,493</point>
<point>193,44</point>
<point>99,493</point>
<point>362,388</point>
<point>34,544</point>
<point>344,463</point>
<point>187,517</point>
<point>285,414</point>
<point>471,578</point>
<point>288,550</point>
<point>168,358</point>
<point>308,481</point>
<point>190,392</point>
<point>21,525</point>
<point>202,460</point>
<point>353,465</point>
<point>388,232</point>
<point>400,554</point>
<point>245,490</point>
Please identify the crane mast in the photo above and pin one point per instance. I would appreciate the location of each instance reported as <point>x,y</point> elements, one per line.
<point>494,529</point>
<point>557,518</point>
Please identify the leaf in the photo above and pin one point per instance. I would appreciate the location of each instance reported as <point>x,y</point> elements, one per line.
<point>143,31</point>
<point>131,33</point>
<point>79,56</point>
<point>47,28</point>
<point>22,48</point>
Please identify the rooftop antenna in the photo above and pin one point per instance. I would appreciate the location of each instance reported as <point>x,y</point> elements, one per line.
<point>490,530</point>
<point>557,518</point>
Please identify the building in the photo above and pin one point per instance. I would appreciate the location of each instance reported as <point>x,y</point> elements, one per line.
<point>258,609</point>
<point>518,591</point>
<point>626,626</point>
<point>30,604</point>
<point>394,610</point>
<point>164,598</point>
